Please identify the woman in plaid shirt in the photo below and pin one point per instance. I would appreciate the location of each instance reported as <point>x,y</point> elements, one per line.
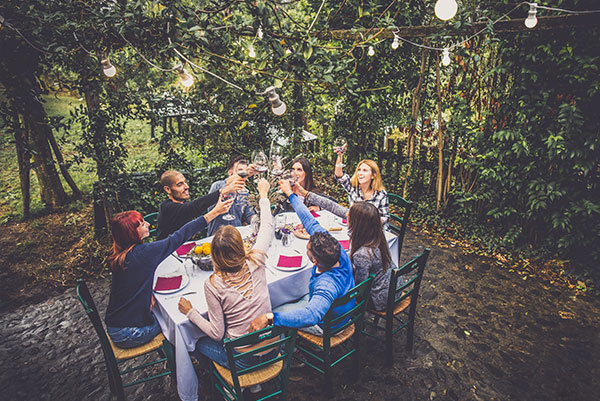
<point>365,185</point>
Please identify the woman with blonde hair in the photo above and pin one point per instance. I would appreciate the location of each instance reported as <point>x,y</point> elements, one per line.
<point>365,185</point>
<point>236,293</point>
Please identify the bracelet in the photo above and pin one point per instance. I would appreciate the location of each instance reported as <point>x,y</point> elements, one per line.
<point>340,165</point>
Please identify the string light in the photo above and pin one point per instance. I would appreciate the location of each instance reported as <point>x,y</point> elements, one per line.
<point>259,33</point>
<point>186,79</point>
<point>395,42</point>
<point>446,57</point>
<point>371,51</point>
<point>531,19</point>
<point>445,9</point>
<point>107,68</point>
<point>251,52</point>
<point>278,107</point>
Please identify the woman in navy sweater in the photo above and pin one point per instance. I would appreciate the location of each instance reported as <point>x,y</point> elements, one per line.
<point>129,319</point>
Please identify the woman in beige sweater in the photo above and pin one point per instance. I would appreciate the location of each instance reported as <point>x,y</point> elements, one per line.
<point>236,293</point>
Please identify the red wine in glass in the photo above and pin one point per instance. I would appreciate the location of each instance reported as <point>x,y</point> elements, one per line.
<point>226,197</point>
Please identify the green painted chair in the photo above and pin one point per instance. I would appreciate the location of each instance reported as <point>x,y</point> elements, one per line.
<point>152,219</point>
<point>228,384</point>
<point>401,306</point>
<point>114,356</point>
<point>397,222</point>
<point>317,351</point>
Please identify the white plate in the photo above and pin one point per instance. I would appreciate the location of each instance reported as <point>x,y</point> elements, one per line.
<point>275,260</point>
<point>185,280</point>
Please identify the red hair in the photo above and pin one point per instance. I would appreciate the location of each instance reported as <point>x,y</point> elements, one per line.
<point>125,236</point>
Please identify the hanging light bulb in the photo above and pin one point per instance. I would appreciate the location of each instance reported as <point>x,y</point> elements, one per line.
<point>259,33</point>
<point>186,79</point>
<point>395,42</point>
<point>371,51</point>
<point>531,19</point>
<point>445,9</point>
<point>446,57</point>
<point>251,52</point>
<point>278,107</point>
<point>107,68</point>
<point>288,51</point>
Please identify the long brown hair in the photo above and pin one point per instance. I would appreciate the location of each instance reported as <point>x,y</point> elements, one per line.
<point>364,225</point>
<point>125,236</point>
<point>228,252</point>
<point>309,182</point>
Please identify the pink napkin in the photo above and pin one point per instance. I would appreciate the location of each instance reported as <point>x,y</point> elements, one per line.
<point>345,244</point>
<point>289,261</point>
<point>185,248</point>
<point>315,214</point>
<point>167,283</point>
<point>344,221</point>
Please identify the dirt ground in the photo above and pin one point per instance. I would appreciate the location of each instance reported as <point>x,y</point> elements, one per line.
<point>482,333</point>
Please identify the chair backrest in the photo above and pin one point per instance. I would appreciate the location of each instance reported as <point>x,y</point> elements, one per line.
<point>83,293</point>
<point>360,295</point>
<point>413,271</point>
<point>261,342</point>
<point>152,219</point>
<point>398,223</point>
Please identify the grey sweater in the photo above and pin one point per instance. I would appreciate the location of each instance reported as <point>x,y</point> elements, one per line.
<point>365,261</point>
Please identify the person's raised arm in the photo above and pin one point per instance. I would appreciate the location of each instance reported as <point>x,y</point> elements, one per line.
<point>321,201</point>
<point>339,164</point>
<point>220,208</point>
<point>311,225</point>
<point>263,239</point>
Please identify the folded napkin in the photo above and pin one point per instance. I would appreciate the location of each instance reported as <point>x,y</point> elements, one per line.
<point>185,248</point>
<point>345,243</point>
<point>167,283</point>
<point>315,214</point>
<point>344,221</point>
<point>290,261</point>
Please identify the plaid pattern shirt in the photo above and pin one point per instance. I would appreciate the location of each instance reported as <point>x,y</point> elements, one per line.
<point>379,198</point>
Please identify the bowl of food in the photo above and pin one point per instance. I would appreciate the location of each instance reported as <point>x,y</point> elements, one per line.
<point>200,256</point>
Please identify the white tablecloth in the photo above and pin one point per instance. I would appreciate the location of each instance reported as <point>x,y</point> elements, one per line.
<point>283,287</point>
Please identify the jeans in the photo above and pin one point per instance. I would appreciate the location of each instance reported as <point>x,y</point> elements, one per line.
<point>301,303</point>
<point>131,337</point>
<point>208,350</point>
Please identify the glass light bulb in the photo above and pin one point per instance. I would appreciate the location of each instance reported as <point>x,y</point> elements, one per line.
<point>251,52</point>
<point>186,79</point>
<point>395,43</point>
<point>259,33</point>
<point>279,110</point>
<point>371,51</point>
<point>107,68</point>
<point>445,9</point>
<point>446,57</point>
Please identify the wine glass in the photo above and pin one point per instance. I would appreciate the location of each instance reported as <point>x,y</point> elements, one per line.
<point>260,161</point>
<point>243,173</point>
<point>226,197</point>
<point>339,146</point>
<point>277,169</point>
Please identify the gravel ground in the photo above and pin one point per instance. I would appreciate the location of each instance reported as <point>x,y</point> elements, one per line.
<point>482,333</point>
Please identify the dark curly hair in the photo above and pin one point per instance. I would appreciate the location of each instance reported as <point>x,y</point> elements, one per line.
<point>325,249</point>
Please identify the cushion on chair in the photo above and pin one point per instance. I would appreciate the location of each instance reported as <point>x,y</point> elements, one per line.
<point>335,341</point>
<point>400,306</point>
<point>126,353</point>
<point>257,377</point>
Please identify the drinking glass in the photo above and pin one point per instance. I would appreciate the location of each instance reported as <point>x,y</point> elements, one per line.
<point>244,190</point>
<point>279,225</point>
<point>260,161</point>
<point>226,197</point>
<point>340,145</point>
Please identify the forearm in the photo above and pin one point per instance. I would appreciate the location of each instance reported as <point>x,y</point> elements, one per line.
<point>168,245</point>
<point>310,315</point>
<point>327,204</point>
<point>263,239</point>
<point>308,221</point>
<point>211,330</point>
<point>339,170</point>
<point>199,205</point>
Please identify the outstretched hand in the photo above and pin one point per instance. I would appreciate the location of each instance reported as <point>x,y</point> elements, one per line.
<point>263,188</point>
<point>285,187</point>
<point>233,183</point>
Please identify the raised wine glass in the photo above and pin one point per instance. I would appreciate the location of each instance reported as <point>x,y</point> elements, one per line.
<point>243,173</point>
<point>260,161</point>
<point>226,197</point>
<point>340,145</point>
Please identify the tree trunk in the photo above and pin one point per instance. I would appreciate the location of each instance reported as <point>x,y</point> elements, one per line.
<point>24,161</point>
<point>440,173</point>
<point>63,167</point>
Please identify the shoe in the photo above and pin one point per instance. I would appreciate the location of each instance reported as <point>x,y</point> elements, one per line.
<point>257,388</point>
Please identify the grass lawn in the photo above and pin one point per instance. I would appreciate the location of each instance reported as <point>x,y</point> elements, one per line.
<point>142,156</point>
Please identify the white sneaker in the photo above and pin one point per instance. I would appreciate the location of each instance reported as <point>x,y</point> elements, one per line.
<point>257,388</point>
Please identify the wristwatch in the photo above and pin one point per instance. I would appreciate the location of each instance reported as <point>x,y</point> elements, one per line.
<point>270,318</point>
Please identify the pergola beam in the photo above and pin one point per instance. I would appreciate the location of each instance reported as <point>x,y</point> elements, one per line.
<point>515,25</point>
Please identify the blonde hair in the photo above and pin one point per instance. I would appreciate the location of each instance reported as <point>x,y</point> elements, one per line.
<point>228,252</point>
<point>376,184</point>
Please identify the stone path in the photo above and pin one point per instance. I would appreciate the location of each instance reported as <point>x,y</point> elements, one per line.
<point>482,334</point>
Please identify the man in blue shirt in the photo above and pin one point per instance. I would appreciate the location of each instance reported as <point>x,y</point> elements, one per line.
<point>241,208</point>
<point>331,277</point>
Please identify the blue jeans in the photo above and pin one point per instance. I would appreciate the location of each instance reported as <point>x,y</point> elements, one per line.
<point>299,304</point>
<point>208,350</point>
<point>131,337</point>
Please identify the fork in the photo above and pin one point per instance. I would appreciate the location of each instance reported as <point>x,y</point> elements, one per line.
<point>180,295</point>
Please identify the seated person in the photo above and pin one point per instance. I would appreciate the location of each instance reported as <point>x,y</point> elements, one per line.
<point>241,209</point>
<point>302,172</point>
<point>365,185</point>
<point>369,253</point>
<point>331,277</point>
<point>175,211</point>
<point>237,291</point>
<point>129,319</point>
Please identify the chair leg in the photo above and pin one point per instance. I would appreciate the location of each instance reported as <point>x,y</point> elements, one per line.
<point>389,344</point>
<point>170,354</point>
<point>409,335</point>
<point>327,379</point>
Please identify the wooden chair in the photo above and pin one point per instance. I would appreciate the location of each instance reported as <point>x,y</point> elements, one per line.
<point>398,223</point>
<point>317,350</point>
<point>401,300</point>
<point>229,383</point>
<point>113,355</point>
<point>152,219</point>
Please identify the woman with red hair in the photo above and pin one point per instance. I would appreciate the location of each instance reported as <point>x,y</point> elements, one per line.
<point>129,319</point>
